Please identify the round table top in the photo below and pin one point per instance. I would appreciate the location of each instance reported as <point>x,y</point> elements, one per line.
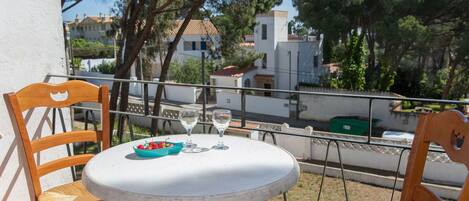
<point>248,170</point>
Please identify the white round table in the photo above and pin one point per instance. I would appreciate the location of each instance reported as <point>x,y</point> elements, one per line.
<point>248,170</point>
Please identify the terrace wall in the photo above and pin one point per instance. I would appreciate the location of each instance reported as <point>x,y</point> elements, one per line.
<point>323,108</point>
<point>32,46</point>
<point>255,104</point>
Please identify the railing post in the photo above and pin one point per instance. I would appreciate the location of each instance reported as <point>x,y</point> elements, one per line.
<point>243,108</point>
<point>204,95</point>
<point>370,119</point>
<point>145,99</point>
<point>297,115</point>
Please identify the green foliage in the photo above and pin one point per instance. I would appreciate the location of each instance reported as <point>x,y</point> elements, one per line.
<point>105,68</point>
<point>234,19</point>
<point>241,58</point>
<point>76,63</point>
<point>387,75</point>
<point>353,68</point>
<point>410,43</point>
<point>189,71</point>
<point>91,49</point>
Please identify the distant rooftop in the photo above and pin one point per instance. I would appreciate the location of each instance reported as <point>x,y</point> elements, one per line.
<point>196,27</point>
<point>233,71</point>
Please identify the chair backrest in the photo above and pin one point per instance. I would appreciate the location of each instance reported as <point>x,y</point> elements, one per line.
<point>57,96</point>
<point>447,129</point>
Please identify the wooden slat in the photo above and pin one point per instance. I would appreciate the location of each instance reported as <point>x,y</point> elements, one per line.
<point>63,138</point>
<point>19,127</point>
<point>106,130</point>
<point>40,94</point>
<point>423,194</point>
<point>63,163</point>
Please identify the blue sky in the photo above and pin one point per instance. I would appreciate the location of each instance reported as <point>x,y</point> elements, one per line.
<point>94,7</point>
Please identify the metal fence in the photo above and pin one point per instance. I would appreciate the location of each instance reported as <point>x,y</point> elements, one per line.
<point>244,90</point>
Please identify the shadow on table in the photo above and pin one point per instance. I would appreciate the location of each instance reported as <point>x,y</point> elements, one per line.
<point>133,156</point>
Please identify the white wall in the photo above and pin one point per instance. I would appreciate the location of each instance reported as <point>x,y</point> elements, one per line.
<point>323,108</point>
<point>454,173</point>
<point>300,147</point>
<point>254,104</point>
<point>277,30</point>
<point>226,81</point>
<point>173,93</point>
<point>31,47</point>
<point>97,74</point>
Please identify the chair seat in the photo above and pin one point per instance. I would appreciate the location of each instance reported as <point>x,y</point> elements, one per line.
<point>68,192</point>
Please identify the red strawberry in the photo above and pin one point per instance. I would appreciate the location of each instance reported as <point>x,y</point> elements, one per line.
<point>140,146</point>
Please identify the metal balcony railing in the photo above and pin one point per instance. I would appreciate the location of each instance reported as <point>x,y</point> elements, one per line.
<point>271,132</point>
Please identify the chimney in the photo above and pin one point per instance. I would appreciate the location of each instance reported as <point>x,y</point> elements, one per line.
<point>77,18</point>
<point>103,17</point>
<point>84,15</point>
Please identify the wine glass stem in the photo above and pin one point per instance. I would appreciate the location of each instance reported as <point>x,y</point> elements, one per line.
<point>189,132</point>
<point>220,140</point>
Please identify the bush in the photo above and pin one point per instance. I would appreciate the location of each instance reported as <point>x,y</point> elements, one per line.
<point>187,72</point>
<point>91,49</point>
<point>105,68</point>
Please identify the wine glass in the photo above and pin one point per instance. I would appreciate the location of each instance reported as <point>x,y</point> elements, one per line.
<point>221,120</point>
<point>188,118</point>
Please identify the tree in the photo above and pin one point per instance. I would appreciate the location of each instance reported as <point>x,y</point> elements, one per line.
<point>165,67</point>
<point>415,37</point>
<point>136,22</point>
<point>242,58</point>
<point>353,69</point>
<point>189,71</point>
<point>234,19</point>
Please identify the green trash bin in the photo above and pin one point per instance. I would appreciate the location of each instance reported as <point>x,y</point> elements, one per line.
<point>352,125</point>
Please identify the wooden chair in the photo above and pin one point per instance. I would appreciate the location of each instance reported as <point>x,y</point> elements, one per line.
<point>448,129</point>
<point>58,96</point>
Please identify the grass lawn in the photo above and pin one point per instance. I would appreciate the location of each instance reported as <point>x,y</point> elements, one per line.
<point>308,188</point>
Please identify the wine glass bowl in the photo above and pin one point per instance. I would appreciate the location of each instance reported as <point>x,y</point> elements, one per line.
<point>188,119</point>
<point>221,120</point>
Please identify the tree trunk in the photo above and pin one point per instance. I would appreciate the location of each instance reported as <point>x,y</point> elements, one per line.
<point>131,43</point>
<point>165,67</point>
<point>448,85</point>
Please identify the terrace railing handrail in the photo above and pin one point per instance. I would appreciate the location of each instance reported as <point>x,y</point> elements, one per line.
<point>269,90</point>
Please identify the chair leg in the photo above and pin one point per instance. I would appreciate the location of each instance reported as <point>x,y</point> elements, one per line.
<point>285,196</point>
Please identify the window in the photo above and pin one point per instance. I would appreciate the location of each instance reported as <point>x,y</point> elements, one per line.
<point>316,61</point>
<point>264,61</point>
<point>264,31</point>
<point>194,46</point>
<point>187,46</point>
<point>103,27</point>
<point>267,86</point>
<point>203,45</point>
<point>247,83</point>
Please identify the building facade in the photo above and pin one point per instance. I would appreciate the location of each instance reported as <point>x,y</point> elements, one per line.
<point>199,36</point>
<point>92,28</point>
<point>288,61</point>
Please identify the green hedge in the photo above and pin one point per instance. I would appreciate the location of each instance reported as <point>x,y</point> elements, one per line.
<point>92,53</point>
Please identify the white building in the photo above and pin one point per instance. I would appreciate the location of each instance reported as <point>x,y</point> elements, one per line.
<point>199,36</point>
<point>92,28</point>
<point>288,60</point>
